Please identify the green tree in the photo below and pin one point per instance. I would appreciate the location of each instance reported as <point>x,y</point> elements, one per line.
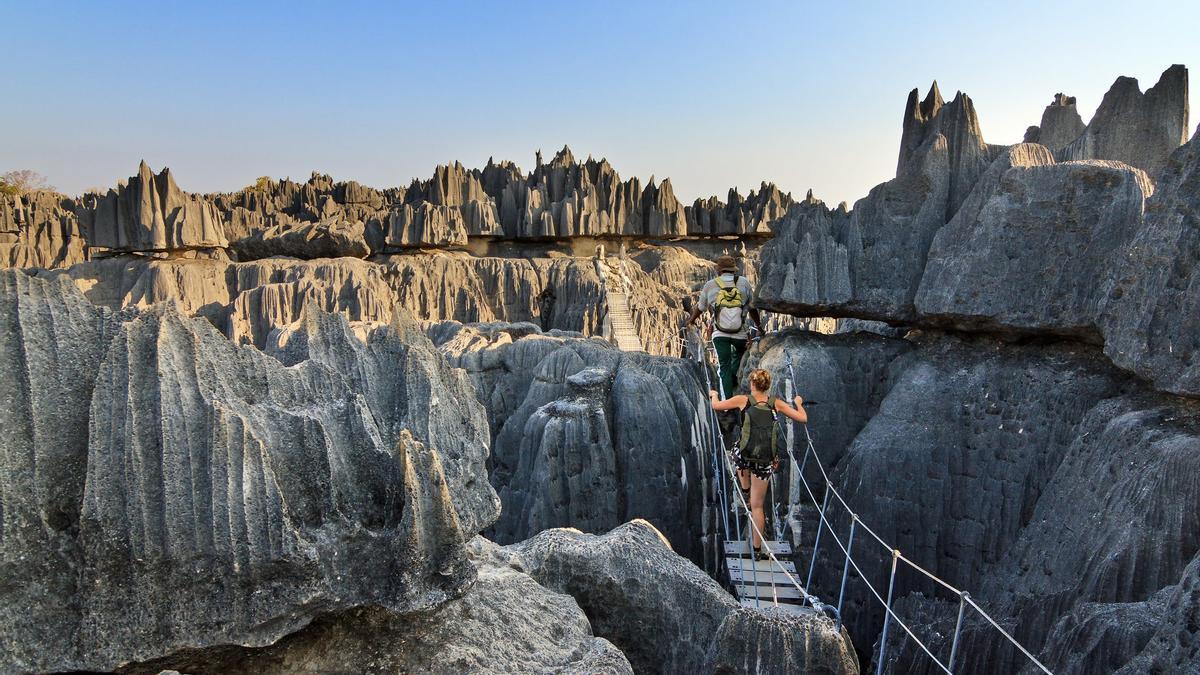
<point>261,184</point>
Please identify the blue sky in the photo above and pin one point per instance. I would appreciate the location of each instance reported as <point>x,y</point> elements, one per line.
<point>711,94</point>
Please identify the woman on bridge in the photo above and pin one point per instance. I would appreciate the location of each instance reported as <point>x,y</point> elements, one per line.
<point>756,453</point>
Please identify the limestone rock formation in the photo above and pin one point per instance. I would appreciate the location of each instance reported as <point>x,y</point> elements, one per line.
<point>506,622</point>
<point>40,229</point>
<point>1061,124</point>
<point>426,225</point>
<point>807,265</point>
<point>1099,578</point>
<point>246,301</point>
<point>411,388</point>
<point>666,615</point>
<point>151,213</point>
<point>1171,646</point>
<point>1039,477</point>
<point>1151,315</point>
<point>51,343</point>
<point>557,202</point>
<point>1139,129</point>
<point>866,263</point>
<point>566,198</point>
<point>1034,245</point>
<point>1087,250</point>
<point>957,121</point>
<point>955,408</point>
<point>174,491</point>
<point>318,198</point>
<point>675,267</point>
<point>773,641</point>
<point>755,214</point>
<point>322,239</point>
<point>588,436</point>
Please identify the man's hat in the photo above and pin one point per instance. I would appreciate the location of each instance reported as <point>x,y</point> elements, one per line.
<point>726,263</point>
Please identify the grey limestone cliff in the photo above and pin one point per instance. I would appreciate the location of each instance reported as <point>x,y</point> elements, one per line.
<point>151,213</point>
<point>40,229</point>
<point>667,616</point>
<point>505,623</point>
<point>1032,249</point>
<point>1140,129</point>
<point>587,436</point>
<point>174,491</point>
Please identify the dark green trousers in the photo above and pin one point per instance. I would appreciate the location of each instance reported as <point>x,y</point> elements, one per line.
<point>729,359</point>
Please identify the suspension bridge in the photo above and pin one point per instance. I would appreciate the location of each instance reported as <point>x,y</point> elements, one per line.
<point>776,582</point>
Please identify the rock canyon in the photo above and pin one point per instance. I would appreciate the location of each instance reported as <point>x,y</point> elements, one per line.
<point>451,426</point>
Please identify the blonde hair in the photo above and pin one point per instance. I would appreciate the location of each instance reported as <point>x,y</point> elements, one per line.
<point>760,380</point>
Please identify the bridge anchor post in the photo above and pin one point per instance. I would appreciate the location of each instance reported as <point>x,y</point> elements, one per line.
<point>887,615</point>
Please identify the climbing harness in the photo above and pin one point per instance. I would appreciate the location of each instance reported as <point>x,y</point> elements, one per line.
<point>774,582</point>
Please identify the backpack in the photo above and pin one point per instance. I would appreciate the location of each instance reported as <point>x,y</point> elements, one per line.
<point>729,310</point>
<point>759,432</point>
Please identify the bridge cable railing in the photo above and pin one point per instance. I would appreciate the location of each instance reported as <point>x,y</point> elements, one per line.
<point>964,597</point>
<point>723,470</point>
<point>726,471</point>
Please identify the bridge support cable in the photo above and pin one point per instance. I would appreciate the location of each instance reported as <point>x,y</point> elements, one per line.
<point>896,558</point>
<point>846,572</point>
<point>772,575</point>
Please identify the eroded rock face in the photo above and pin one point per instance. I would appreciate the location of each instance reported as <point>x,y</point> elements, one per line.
<point>665,614</point>
<point>1087,250</point>
<point>1135,128</point>
<point>1061,124</point>
<point>754,214</point>
<point>176,491</point>
<point>40,229</point>
<point>959,451</point>
<point>865,263</point>
<point>51,344</point>
<point>772,641</point>
<point>977,420</point>
<point>506,622</point>
<point>1171,646</point>
<point>247,301</point>
<point>1115,524</point>
<point>588,436</point>
<point>1033,247</point>
<point>151,213</point>
<point>322,239</point>
<point>1151,315</point>
<point>1052,486</point>
<point>957,122</point>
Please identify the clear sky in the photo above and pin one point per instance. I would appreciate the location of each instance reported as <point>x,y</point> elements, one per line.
<point>713,94</point>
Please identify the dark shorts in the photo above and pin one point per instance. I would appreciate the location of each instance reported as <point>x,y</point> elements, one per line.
<point>762,471</point>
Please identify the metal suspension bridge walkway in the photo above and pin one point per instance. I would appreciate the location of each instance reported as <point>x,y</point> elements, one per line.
<point>776,582</point>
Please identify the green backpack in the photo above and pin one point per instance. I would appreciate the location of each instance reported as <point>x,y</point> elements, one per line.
<point>759,432</point>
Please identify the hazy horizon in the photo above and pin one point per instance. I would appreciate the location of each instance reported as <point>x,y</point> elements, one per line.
<point>711,96</point>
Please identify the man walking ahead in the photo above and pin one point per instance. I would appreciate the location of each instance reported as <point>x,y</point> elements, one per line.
<point>727,299</point>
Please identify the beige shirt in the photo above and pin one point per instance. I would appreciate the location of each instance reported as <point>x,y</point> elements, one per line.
<point>708,297</point>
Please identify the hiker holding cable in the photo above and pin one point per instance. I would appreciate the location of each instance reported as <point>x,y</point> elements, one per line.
<point>757,449</point>
<point>727,297</point>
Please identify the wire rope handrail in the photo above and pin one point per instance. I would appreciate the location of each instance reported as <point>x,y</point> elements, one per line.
<point>897,556</point>
<point>726,471</point>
